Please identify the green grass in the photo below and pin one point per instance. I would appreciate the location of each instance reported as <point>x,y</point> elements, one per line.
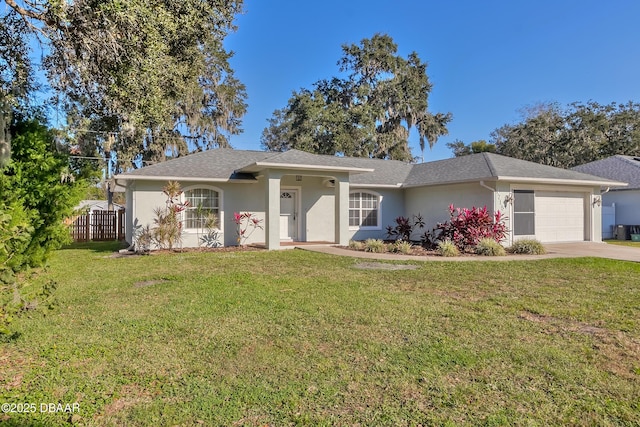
<point>624,243</point>
<point>299,338</point>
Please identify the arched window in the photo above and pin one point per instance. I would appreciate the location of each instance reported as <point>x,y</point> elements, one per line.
<point>203,210</point>
<point>364,210</point>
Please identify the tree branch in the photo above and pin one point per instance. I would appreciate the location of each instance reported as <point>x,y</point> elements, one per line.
<point>24,12</point>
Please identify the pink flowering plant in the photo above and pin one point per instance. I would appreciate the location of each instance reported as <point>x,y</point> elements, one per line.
<point>246,225</point>
<point>467,227</point>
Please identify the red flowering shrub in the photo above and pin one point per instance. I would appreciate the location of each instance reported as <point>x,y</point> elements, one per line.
<point>466,227</point>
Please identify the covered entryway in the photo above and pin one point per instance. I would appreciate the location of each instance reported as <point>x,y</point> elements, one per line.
<point>560,216</point>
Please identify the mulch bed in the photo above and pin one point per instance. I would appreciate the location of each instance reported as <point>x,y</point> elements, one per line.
<point>124,254</point>
<point>416,250</point>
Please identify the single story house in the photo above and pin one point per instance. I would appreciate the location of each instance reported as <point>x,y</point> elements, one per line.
<point>307,197</point>
<point>626,198</point>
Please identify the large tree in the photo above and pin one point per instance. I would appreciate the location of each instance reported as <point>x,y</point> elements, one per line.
<point>138,78</point>
<point>567,137</point>
<point>369,112</point>
<point>459,148</point>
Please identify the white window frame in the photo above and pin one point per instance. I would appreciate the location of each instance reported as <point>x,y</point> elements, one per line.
<point>378,197</point>
<point>220,206</point>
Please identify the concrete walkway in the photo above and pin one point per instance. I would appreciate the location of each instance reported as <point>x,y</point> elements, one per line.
<point>555,250</point>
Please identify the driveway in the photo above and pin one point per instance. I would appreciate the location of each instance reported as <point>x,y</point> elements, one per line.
<point>591,249</point>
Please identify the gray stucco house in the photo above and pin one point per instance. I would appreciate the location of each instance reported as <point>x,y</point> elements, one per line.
<point>626,198</point>
<point>313,198</point>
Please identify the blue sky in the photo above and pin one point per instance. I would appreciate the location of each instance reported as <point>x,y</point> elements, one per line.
<point>487,59</point>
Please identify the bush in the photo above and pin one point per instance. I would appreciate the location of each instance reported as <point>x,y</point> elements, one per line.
<point>37,192</point>
<point>246,224</point>
<point>447,248</point>
<point>466,227</point>
<point>402,247</point>
<point>375,246</point>
<point>356,245</point>
<point>527,246</point>
<point>489,247</point>
<point>404,227</point>
<point>167,232</point>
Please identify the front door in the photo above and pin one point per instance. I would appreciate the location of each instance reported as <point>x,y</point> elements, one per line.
<point>288,215</point>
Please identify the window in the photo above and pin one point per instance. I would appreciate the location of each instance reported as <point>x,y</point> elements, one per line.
<point>204,203</point>
<point>364,210</point>
<point>524,213</point>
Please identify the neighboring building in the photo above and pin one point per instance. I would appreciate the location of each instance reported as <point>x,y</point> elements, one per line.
<point>626,198</point>
<point>307,197</point>
<point>96,205</point>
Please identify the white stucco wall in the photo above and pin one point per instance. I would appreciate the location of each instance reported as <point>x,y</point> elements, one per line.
<point>433,202</point>
<point>144,196</point>
<point>627,205</point>
<point>317,205</point>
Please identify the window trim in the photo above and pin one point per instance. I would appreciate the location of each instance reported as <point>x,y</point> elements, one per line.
<point>379,198</point>
<point>183,198</point>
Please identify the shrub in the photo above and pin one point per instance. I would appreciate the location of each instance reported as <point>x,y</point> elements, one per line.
<point>489,247</point>
<point>211,236</point>
<point>527,246</point>
<point>402,247</point>
<point>356,245</point>
<point>168,225</point>
<point>405,227</point>
<point>375,246</point>
<point>447,248</point>
<point>37,192</point>
<point>246,224</point>
<point>466,227</point>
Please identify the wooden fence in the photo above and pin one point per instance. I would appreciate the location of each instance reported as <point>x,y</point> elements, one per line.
<point>97,226</point>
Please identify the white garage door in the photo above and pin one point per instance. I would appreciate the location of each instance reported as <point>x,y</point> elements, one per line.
<point>559,216</point>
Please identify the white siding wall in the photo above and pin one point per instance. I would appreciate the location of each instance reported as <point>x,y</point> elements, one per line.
<point>627,205</point>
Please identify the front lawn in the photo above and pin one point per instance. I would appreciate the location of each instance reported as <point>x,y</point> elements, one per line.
<point>300,338</point>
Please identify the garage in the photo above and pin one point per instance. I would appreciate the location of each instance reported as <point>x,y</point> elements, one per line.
<point>549,216</point>
<point>560,216</point>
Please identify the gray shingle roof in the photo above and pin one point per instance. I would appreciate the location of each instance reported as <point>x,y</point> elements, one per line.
<point>220,163</point>
<point>488,166</point>
<point>386,172</point>
<point>229,164</point>
<point>617,168</point>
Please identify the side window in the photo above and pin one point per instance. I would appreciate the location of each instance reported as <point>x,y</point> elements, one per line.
<point>204,206</point>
